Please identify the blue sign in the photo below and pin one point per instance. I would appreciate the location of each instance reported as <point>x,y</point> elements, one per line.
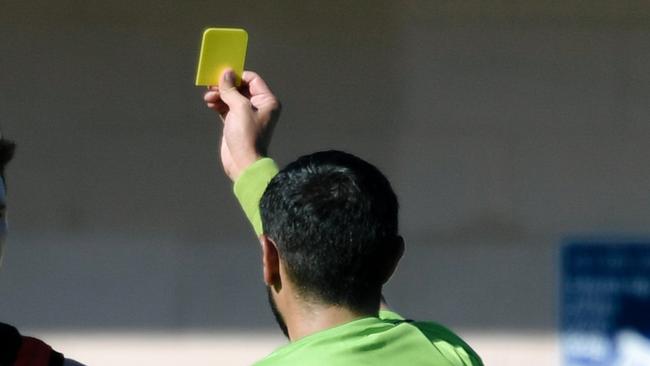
<point>605,303</point>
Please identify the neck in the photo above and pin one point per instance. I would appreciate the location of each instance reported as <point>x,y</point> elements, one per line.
<point>307,319</point>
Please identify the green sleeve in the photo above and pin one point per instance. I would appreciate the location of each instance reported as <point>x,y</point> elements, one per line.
<point>250,187</point>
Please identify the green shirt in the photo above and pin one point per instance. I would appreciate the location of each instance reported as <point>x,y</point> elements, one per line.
<point>386,340</point>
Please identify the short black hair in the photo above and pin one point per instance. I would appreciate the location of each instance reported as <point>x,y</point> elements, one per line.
<point>7,148</point>
<point>334,219</point>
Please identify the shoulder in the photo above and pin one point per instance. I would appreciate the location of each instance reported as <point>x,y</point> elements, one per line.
<point>18,348</point>
<point>452,346</point>
<point>447,343</point>
<point>10,340</point>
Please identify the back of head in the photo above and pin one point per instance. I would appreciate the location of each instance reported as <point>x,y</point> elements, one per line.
<point>334,220</point>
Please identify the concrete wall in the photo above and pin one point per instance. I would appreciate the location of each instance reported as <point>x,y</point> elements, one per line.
<point>503,130</point>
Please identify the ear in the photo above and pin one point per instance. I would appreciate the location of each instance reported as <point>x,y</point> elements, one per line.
<point>270,261</point>
<point>393,257</point>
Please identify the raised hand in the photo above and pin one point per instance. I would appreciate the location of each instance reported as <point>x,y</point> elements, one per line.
<point>249,114</point>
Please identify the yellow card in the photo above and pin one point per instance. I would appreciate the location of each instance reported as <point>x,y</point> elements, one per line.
<point>221,48</point>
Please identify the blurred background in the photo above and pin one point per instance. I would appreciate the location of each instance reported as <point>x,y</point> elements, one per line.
<point>504,127</point>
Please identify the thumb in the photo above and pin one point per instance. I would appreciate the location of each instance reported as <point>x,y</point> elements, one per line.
<point>228,91</point>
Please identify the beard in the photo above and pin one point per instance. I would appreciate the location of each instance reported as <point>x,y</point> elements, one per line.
<point>276,313</point>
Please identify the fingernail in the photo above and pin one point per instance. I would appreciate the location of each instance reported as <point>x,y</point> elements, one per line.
<point>228,76</point>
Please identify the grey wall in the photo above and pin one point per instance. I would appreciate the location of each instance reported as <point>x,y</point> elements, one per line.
<point>503,130</point>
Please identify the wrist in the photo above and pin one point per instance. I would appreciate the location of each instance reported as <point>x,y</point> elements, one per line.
<point>243,164</point>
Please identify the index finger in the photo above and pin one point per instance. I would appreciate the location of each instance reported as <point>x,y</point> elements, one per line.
<point>256,84</point>
<point>212,96</point>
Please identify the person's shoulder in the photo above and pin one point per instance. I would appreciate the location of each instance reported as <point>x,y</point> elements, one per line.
<point>15,348</point>
<point>10,341</point>
<point>451,346</point>
<point>448,343</point>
